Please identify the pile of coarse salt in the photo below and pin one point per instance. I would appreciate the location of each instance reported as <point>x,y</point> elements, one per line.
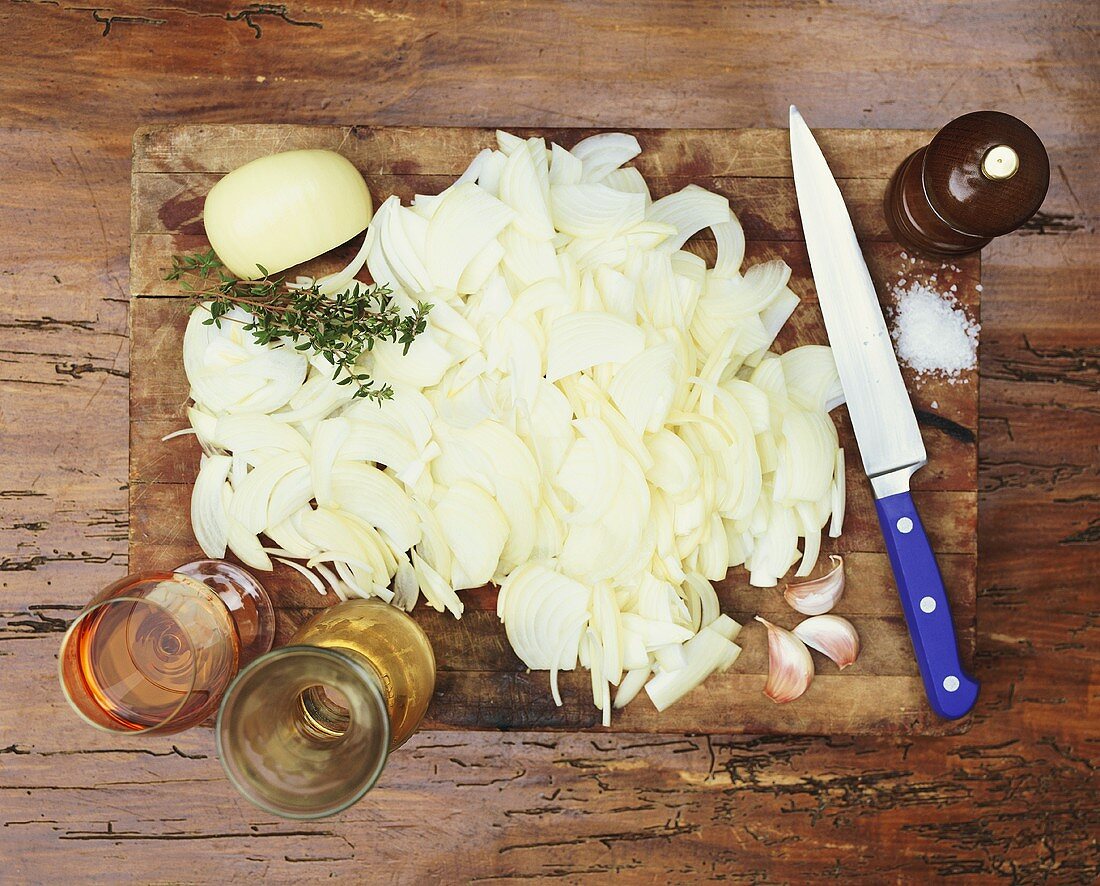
<point>932,333</point>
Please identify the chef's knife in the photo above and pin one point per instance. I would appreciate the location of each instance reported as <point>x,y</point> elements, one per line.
<point>882,416</point>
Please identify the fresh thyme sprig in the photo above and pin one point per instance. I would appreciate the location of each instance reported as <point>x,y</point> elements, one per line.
<point>340,327</point>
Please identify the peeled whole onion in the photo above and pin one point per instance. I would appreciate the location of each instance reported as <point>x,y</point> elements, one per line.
<point>281,210</point>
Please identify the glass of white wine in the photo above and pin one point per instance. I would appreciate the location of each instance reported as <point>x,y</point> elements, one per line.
<point>305,730</point>
<point>155,651</point>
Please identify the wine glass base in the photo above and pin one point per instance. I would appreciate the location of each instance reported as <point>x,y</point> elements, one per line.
<point>290,748</point>
<point>246,599</point>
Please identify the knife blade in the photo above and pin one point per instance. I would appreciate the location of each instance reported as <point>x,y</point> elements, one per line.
<point>885,425</point>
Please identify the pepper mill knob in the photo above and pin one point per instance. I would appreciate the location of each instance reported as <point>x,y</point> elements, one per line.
<point>982,175</point>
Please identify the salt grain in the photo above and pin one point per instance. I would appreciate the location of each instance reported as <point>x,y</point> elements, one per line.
<point>933,335</point>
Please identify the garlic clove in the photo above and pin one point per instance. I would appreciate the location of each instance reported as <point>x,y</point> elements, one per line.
<point>790,667</point>
<point>830,635</point>
<point>818,595</point>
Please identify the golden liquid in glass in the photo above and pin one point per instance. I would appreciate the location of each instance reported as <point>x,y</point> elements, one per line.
<point>395,648</point>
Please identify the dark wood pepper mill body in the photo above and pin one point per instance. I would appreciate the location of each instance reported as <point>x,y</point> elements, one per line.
<point>983,175</point>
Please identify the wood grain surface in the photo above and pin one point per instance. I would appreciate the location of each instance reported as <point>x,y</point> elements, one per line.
<point>1013,799</point>
<point>173,171</point>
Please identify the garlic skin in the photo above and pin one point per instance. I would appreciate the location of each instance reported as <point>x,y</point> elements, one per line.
<point>830,635</point>
<point>817,596</point>
<point>790,667</point>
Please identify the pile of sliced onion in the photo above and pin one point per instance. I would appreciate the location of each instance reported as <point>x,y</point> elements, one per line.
<point>593,420</point>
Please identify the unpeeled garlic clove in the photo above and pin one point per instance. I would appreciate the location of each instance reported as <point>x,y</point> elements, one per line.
<point>790,667</point>
<point>830,635</point>
<point>818,595</point>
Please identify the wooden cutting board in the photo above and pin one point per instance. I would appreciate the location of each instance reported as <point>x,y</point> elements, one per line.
<point>481,683</point>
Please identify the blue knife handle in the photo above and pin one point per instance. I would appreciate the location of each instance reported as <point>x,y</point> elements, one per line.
<point>951,691</point>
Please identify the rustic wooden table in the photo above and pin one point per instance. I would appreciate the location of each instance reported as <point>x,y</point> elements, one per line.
<point>1015,798</point>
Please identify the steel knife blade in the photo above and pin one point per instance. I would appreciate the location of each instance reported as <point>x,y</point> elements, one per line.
<point>882,416</point>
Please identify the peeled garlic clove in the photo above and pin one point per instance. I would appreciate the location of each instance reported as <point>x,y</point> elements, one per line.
<point>830,635</point>
<point>790,667</point>
<point>817,596</point>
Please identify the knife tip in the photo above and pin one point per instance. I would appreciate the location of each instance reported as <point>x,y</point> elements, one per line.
<point>795,115</point>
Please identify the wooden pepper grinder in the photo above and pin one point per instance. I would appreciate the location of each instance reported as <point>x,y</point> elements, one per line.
<point>983,175</point>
